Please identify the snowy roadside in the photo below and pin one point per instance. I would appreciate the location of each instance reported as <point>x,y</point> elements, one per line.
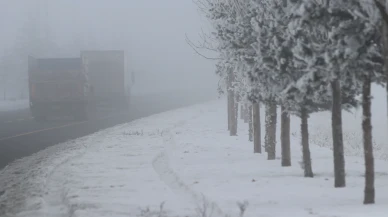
<point>109,173</point>
<point>11,105</point>
<point>225,169</point>
<point>320,128</point>
<point>184,157</point>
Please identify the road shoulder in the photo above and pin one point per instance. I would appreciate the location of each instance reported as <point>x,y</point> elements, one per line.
<point>86,175</point>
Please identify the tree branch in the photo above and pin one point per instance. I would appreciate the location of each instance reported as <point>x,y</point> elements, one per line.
<point>195,48</point>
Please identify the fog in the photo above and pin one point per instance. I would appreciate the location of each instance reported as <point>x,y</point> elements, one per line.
<point>151,32</point>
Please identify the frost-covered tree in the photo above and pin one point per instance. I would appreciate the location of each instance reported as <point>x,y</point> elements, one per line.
<point>342,35</point>
<point>225,17</point>
<point>221,17</point>
<point>262,20</point>
<point>306,56</point>
<point>266,22</point>
<point>245,54</point>
<point>368,71</point>
<point>382,7</point>
<point>243,88</point>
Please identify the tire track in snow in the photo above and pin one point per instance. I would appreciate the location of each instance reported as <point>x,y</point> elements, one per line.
<point>56,196</point>
<point>161,165</point>
<point>24,182</point>
<point>49,198</point>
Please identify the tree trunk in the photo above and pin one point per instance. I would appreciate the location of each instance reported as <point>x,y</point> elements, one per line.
<point>285,138</point>
<point>256,128</point>
<point>242,115</point>
<point>338,145</point>
<point>385,51</point>
<point>250,122</point>
<point>266,116</point>
<point>233,113</point>
<point>235,117</point>
<point>270,130</point>
<point>308,171</point>
<point>247,115</point>
<point>229,88</point>
<point>229,111</point>
<point>369,191</point>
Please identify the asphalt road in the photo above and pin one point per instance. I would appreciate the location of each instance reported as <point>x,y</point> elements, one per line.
<point>21,136</point>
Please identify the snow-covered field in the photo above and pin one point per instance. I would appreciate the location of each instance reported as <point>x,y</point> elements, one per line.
<point>10,105</point>
<point>186,159</point>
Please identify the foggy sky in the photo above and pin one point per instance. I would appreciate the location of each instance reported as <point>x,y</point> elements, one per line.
<point>153,32</point>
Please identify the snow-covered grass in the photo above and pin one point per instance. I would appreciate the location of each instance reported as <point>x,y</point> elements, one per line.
<point>225,169</point>
<point>321,135</point>
<point>10,105</point>
<point>186,159</point>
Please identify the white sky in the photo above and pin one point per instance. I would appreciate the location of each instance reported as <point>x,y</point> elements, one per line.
<point>152,30</point>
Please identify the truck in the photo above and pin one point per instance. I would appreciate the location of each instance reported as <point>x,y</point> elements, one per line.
<point>58,86</point>
<point>107,70</point>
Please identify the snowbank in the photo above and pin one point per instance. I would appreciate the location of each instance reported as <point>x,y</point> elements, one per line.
<point>186,159</point>
<point>13,105</point>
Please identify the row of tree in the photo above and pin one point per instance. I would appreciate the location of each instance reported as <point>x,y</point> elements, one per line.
<point>304,56</point>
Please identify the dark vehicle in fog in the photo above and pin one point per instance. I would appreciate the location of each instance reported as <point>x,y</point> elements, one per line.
<point>107,70</point>
<point>58,87</point>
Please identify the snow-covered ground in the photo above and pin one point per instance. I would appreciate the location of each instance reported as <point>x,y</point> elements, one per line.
<point>10,105</point>
<point>186,159</point>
